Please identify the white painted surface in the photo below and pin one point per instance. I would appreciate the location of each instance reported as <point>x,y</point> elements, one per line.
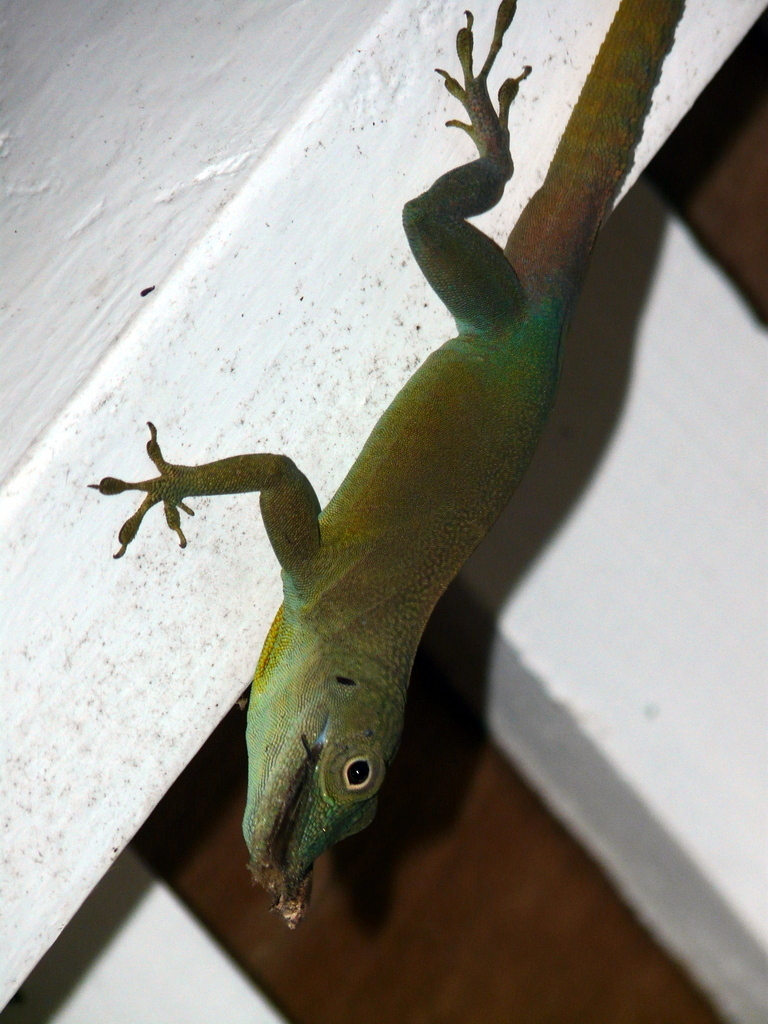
<point>287,314</point>
<point>629,676</point>
<point>126,128</point>
<point>133,954</point>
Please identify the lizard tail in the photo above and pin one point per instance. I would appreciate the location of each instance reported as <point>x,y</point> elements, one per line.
<point>551,241</point>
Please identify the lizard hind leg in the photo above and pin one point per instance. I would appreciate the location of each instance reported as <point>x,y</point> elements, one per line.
<point>468,270</point>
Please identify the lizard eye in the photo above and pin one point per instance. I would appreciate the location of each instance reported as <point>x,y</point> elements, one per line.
<point>345,681</point>
<point>354,776</point>
<point>357,771</point>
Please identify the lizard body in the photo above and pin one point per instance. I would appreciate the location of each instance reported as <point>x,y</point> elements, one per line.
<point>361,577</point>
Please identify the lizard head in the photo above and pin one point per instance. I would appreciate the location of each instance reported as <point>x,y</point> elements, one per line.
<point>322,729</point>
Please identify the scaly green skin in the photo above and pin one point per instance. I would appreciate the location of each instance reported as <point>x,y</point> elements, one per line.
<point>361,577</point>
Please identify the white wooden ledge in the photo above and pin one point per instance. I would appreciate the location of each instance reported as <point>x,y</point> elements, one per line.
<point>134,954</point>
<point>251,164</point>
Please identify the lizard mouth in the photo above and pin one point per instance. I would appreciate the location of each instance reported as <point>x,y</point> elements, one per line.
<point>289,883</point>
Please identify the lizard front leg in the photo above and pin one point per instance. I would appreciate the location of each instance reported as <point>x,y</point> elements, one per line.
<point>289,505</point>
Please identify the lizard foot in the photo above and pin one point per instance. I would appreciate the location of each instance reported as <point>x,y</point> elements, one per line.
<point>168,488</point>
<point>487,129</point>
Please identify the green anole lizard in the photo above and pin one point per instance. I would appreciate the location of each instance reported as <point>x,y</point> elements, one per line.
<point>362,575</point>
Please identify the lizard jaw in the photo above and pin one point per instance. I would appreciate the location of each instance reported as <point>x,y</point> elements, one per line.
<point>274,871</point>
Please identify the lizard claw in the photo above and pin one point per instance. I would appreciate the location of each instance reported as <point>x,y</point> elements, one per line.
<point>507,94</point>
<point>504,16</point>
<point>464,46</point>
<point>453,86</point>
<point>130,527</point>
<point>173,519</point>
<point>487,129</point>
<point>453,123</point>
<point>165,488</point>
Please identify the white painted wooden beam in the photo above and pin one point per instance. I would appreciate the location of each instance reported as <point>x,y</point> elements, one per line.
<point>253,169</point>
<point>127,127</point>
<point>134,954</point>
